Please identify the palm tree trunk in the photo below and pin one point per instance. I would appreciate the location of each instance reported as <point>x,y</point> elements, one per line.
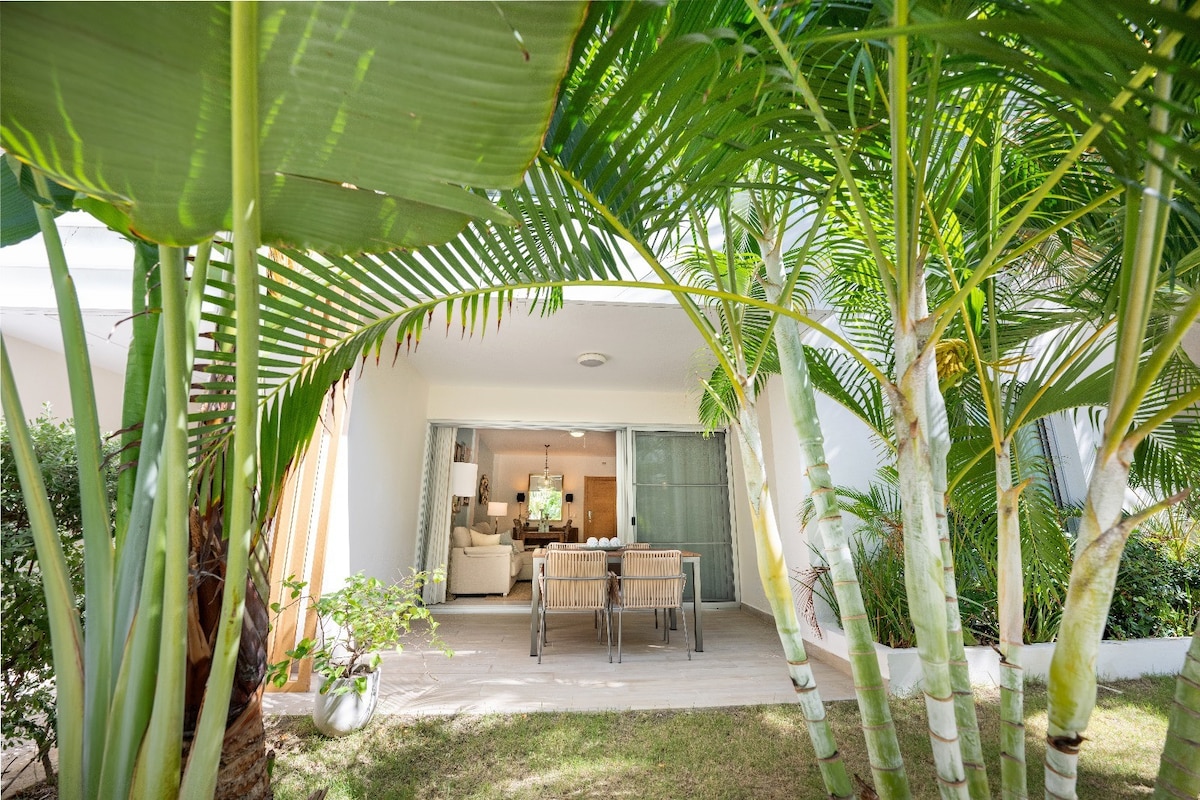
<point>772,570</point>
<point>924,573</point>
<point>1179,769</point>
<point>1013,781</point>
<point>883,748</point>
<point>960,673</point>
<point>1071,689</point>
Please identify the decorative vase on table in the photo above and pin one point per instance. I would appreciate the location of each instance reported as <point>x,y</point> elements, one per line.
<point>339,714</point>
<point>543,525</point>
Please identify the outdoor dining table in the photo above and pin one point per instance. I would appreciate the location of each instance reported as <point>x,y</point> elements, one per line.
<point>614,557</point>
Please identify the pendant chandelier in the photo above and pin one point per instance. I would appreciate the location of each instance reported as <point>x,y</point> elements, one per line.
<point>547,484</point>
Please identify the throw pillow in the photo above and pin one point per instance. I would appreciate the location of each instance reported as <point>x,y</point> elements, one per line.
<point>460,537</point>
<point>483,527</point>
<point>484,539</point>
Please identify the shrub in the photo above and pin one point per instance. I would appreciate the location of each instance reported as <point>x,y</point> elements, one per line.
<point>27,688</point>
<point>1156,595</point>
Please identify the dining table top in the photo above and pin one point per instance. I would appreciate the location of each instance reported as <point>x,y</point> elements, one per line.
<point>541,551</point>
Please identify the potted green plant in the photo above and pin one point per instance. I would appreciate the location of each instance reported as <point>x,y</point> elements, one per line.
<point>355,625</point>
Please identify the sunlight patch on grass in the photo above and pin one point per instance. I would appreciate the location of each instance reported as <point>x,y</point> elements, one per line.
<point>753,752</point>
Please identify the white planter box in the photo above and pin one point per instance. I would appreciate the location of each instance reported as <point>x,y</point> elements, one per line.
<point>1117,660</point>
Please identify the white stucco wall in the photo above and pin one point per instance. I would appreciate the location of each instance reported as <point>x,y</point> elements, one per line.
<point>491,404</point>
<point>42,378</point>
<point>852,462</point>
<point>384,457</point>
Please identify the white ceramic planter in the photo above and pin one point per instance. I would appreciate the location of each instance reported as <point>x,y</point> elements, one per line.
<point>338,715</point>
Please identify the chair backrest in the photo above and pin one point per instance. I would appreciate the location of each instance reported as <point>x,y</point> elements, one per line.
<point>637,546</point>
<point>563,546</point>
<point>651,579</point>
<point>575,579</point>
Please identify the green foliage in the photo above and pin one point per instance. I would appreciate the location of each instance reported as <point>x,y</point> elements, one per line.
<point>27,687</point>
<point>1156,595</point>
<point>355,624</point>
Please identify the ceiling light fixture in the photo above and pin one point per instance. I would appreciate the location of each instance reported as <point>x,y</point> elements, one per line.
<point>547,484</point>
<point>592,359</point>
<point>578,434</point>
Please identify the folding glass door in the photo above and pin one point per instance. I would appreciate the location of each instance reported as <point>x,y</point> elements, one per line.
<point>681,499</point>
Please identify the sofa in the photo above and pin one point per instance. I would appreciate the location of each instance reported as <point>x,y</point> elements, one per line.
<point>480,563</point>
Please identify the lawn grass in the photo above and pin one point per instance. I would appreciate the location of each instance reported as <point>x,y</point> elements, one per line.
<point>758,752</point>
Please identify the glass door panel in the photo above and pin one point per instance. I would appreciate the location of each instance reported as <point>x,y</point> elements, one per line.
<point>681,494</point>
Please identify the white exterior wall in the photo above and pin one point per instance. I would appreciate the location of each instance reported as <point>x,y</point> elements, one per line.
<point>383,458</point>
<point>548,405</point>
<point>41,376</point>
<point>852,457</point>
<point>385,453</point>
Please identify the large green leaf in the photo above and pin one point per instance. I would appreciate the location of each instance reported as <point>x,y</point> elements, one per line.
<point>373,116</point>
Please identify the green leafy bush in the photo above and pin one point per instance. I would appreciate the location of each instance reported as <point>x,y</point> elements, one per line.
<point>1156,594</point>
<point>355,624</point>
<point>28,672</point>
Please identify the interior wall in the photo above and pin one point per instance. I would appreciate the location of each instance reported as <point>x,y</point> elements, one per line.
<point>386,456</point>
<point>487,466</point>
<point>42,377</point>
<point>512,475</point>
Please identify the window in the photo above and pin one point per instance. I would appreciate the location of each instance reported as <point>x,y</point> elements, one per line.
<point>545,502</point>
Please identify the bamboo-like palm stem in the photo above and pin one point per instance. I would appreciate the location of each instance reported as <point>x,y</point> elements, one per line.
<point>200,778</point>
<point>938,433</point>
<point>924,573</point>
<point>1179,768</point>
<point>772,570</point>
<point>1071,689</point>
<point>1011,585</point>
<point>883,747</point>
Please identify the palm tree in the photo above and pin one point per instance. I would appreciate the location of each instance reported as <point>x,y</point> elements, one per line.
<point>175,170</point>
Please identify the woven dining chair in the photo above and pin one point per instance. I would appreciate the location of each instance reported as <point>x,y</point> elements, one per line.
<point>650,580</point>
<point>574,580</point>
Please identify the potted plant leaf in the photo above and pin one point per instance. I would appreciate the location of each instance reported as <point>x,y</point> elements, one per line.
<point>355,625</point>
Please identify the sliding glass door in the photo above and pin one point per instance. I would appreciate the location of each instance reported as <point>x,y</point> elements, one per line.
<point>681,499</point>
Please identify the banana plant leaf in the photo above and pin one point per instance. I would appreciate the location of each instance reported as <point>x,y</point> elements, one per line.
<point>373,117</point>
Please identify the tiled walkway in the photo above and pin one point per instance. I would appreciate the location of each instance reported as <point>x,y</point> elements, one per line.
<point>492,671</point>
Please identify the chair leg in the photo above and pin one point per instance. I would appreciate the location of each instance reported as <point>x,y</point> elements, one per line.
<point>687,642</point>
<point>620,631</point>
<point>541,632</point>
<point>608,630</point>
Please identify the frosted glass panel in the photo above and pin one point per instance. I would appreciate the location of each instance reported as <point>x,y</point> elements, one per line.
<point>682,500</point>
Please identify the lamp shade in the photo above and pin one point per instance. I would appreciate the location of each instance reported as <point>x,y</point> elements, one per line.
<point>497,509</point>
<point>462,478</point>
<point>520,497</point>
<point>568,498</point>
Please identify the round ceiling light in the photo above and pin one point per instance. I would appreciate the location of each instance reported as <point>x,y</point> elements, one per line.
<point>578,434</point>
<point>592,359</point>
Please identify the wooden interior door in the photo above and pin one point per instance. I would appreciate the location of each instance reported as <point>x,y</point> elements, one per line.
<point>599,507</point>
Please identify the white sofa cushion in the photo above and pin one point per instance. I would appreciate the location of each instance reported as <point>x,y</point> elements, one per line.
<point>486,551</point>
<point>484,539</point>
<point>460,537</point>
